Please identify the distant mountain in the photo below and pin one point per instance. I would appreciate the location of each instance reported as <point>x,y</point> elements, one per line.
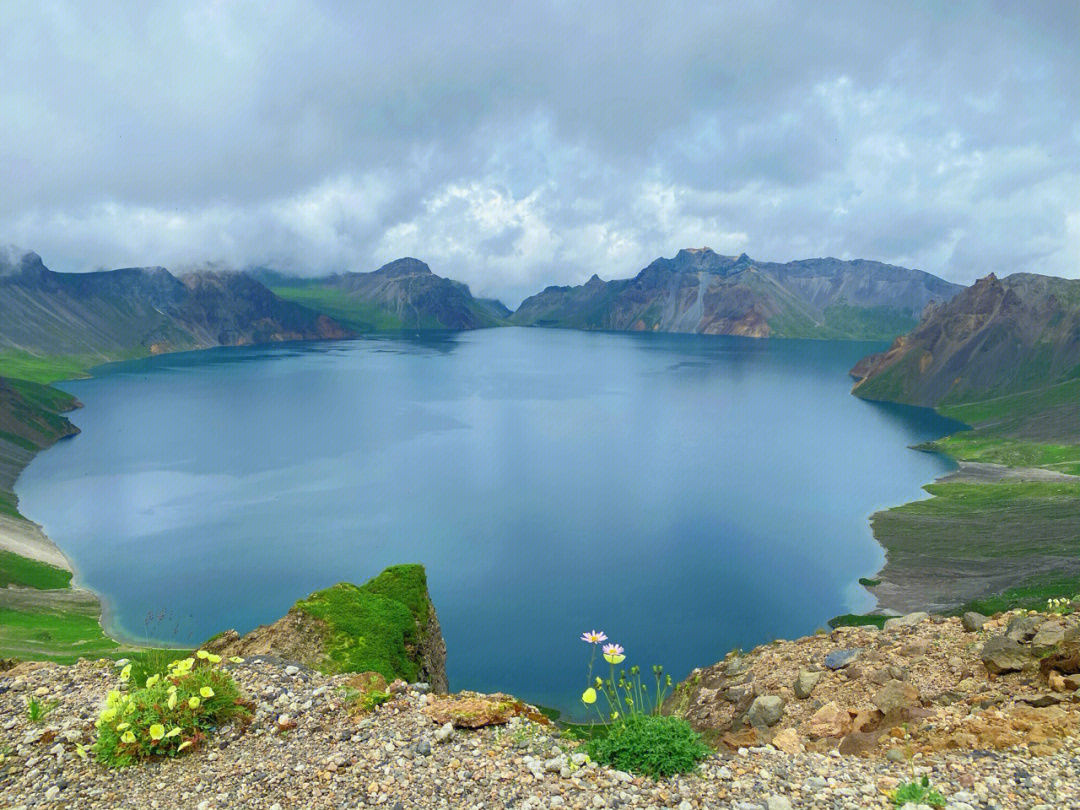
<point>701,291</point>
<point>404,294</point>
<point>997,337</point>
<point>140,310</point>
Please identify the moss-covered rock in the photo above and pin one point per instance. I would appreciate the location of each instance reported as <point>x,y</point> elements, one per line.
<point>387,625</point>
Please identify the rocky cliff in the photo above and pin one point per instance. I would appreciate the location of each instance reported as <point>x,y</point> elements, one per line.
<point>387,625</point>
<point>701,291</point>
<point>131,312</point>
<point>997,337</point>
<point>403,294</point>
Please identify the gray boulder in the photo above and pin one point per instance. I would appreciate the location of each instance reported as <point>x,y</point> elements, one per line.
<point>838,659</point>
<point>910,620</point>
<point>1049,635</point>
<point>1023,628</point>
<point>805,683</point>
<point>766,710</point>
<point>972,621</point>
<point>1003,654</point>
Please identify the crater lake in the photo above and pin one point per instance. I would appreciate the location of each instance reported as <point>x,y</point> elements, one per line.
<point>685,494</point>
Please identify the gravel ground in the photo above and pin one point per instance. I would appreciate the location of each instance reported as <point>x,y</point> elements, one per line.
<point>398,758</point>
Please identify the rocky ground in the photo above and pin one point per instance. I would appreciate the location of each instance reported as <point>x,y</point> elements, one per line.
<point>983,746</point>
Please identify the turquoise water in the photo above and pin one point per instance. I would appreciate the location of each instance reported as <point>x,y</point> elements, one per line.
<point>685,494</point>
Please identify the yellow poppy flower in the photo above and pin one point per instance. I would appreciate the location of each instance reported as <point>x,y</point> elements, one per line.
<point>127,737</point>
<point>236,659</point>
<point>173,733</point>
<point>172,700</point>
<point>125,673</point>
<point>194,703</point>
<point>152,680</point>
<point>122,726</point>
<point>588,696</point>
<point>183,745</point>
<point>203,654</point>
<point>157,731</point>
<point>108,715</point>
<point>206,692</point>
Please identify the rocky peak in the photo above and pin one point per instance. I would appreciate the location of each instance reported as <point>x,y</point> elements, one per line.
<point>407,266</point>
<point>20,264</point>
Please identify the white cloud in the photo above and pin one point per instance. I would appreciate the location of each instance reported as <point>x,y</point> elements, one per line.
<point>542,143</point>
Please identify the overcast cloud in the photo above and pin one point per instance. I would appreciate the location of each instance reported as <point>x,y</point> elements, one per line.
<point>515,145</point>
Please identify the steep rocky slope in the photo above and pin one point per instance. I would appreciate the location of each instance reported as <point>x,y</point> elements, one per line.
<point>101,316</point>
<point>701,291</point>
<point>403,294</point>
<point>998,337</point>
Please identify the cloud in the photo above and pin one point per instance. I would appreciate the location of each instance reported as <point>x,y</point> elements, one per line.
<point>515,146</point>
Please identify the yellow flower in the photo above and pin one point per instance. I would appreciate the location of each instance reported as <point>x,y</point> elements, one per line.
<point>108,715</point>
<point>203,654</point>
<point>206,692</point>
<point>588,696</point>
<point>128,737</point>
<point>125,673</point>
<point>172,689</point>
<point>122,726</point>
<point>173,733</point>
<point>194,703</point>
<point>153,679</point>
<point>157,731</point>
<point>113,697</point>
<point>185,664</point>
<point>236,659</point>
<point>213,659</point>
<point>172,700</point>
<point>183,745</point>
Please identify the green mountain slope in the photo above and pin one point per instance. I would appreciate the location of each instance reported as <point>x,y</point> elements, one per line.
<point>404,294</point>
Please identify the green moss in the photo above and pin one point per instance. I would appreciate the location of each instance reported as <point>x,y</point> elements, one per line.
<point>374,627</point>
<point>1030,595</point>
<point>857,620</point>
<point>22,571</point>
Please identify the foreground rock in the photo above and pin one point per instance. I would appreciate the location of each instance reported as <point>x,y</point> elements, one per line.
<point>308,748</point>
<point>387,625</point>
<point>924,685</point>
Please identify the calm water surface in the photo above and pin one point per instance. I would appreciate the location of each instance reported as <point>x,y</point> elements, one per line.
<point>685,494</point>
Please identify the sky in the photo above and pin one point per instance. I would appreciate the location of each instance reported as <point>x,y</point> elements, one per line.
<point>516,145</point>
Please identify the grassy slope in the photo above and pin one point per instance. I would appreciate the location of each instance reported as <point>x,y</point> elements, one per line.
<point>357,315</point>
<point>373,627</point>
<point>845,322</point>
<point>978,523</point>
<point>30,420</point>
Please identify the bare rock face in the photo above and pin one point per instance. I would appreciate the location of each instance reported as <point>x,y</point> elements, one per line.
<point>1002,654</point>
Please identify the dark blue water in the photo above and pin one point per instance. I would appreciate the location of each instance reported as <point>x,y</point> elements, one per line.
<point>685,494</point>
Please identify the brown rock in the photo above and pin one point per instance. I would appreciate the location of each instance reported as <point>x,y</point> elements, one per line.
<point>895,697</point>
<point>829,721</point>
<point>787,740</point>
<point>472,710</point>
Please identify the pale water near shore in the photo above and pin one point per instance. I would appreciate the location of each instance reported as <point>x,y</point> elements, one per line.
<point>685,494</point>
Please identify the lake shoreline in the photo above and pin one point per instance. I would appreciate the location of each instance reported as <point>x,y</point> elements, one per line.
<point>107,620</point>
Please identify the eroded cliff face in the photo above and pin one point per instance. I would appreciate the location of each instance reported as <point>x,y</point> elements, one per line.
<point>136,311</point>
<point>701,291</point>
<point>997,337</point>
<point>388,625</point>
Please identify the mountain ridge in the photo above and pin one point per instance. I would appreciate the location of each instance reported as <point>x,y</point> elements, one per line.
<point>699,290</point>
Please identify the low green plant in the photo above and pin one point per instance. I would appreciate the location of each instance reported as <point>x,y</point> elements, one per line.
<point>918,791</point>
<point>170,713</point>
<point>36,711</point>
<point>1061,606</point>
<point>650,744</point>
<point>369,700</point>
<point>639,739</point>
